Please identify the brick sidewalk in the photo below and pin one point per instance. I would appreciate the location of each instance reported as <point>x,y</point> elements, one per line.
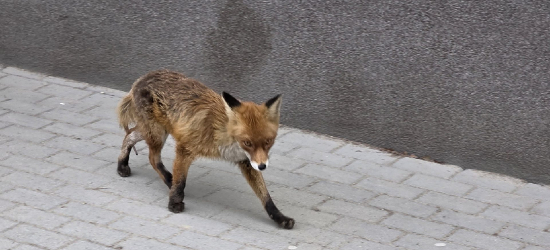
<point>59,142</point>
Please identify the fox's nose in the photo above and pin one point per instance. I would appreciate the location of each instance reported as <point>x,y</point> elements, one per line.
<point>262,166</point>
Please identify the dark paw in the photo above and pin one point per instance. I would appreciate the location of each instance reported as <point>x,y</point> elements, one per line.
<point>287,223</point>
<point>124,171</point>
<point>176,207</point>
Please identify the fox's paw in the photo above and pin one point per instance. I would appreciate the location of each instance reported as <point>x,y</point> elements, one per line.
<point>176,207</point>
<point>124,170</point>
<point>287,223</point>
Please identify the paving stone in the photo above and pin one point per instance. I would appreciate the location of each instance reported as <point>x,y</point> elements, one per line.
<point>81,178</point>
<point>390,188</point>
<point>256,220</point>
<point>139,209</point>
<point>110,140</point>
<point>310,234</point>
<point>5,205</point>
<point>476,223</point>
<point>83,230</point>
<point>87,213</point>
<point>109,126</point>
<point>36,236</point>
<point>295,196</point>
<point>27,96</point>
<point>527,235</point>
<point>33,198</point>
<point>68,117</point>
<point>7,243</point>
<point>71,160</point>
<point>366,213</point>
<point>258,239</point>
<point>533,248</point>
<point>85,245</point>
<point>32,181</point>
<point>71,130</point>
<point>312,141</point>
<point>452,202</point>
<point>534,191</point>
<point>340,191</point>
<point>542,209</point>
<point>24,107</point>
<point>365,230</point>
<point>298,181</point>
<point>203,242</point>
<point>419,226</point>
<point>282,147</point>
<point>235,199</point>
<point>483,241</point>
<point>25,120</point>
<point>89,196</point>
<point>365,244</point>
<point>377,171</point>
<point>110,154</point>
<point>140,192</point>
<point>403,206</point>
<point>320,157</point>
<point>5,224</point>
<point>366,154</point>
<point>199,224</point>
<point>27,247</point>
<point>23,133</point>
<point>60,90</point>
<point>36,217</point>
<point>73,145</point>
<point>19,82</point>
<point>67,103</point>
<point>65,82</point>
<point>501,198</point>
<point>36,151</point>
<point>438,184</point>
<point>29,165</point>
<point>518,217</point>
<point>23,73</point>
<point>308,216</point>
<point>285,163</point>
<point>328,173</point>
<point>225,179</point>
<point>106,113</point>
<point>146,244</point>
<point>487,180</point>
<point>418,242</point>
<point>145,228</point>
<point>426,167</point>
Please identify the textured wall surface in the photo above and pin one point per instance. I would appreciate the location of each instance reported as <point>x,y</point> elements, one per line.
<point>463,82</point>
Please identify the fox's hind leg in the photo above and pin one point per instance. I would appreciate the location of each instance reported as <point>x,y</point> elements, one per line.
<point>256,181</point>
<point>133,137</point>
<point>155,139</point>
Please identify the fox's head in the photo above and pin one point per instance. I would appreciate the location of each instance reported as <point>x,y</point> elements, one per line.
<point>254,127</point>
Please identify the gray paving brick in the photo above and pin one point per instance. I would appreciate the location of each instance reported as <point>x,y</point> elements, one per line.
<point>27,96</point>
<point>33,198</point>
<point>438,184</point>
<point>7,243</point>
<point>5,205</point>
<point>65,82</point>
<point>310,234</point>
<point>71,130</point>
<point>65,103</point>
<point>109,154</point>
<point>500,198</point>
<point>287,178</point>
<point>32,181</point>
<point>23,107</point>
<point>320,157</point>
<point>25,120</point>
<point>23,133</point>
<point>256,220</point>
<point>403,206</point>
<point>452,202</point>
<point>140,192</point>
<point>366,154</point>
<point>235,199</point>
<point>92,232</point>
<point>259,239</point>
<point>81,178</point>
<point>389,188</point>
<point>505,214</point>
<point>365,244</point>
<point>109,126</point>
<point>68,117</point>
<point>27,247</point>
<point>365,230</point>
<point>533,248</point>
<point>418,242</point>
<point>5,224</point>
<point>534,191</point>
<point>145,228</point>
<point>426,167</point>
<point>225,179</point>
<point>36,217</point>
<point>282,147</point>
<point>542,209</point>
<point>60,90</point>
<point>23,73</point>
<point>74,145</point>
<point>140,209</point>
<point>36,236</point>
<point>146,244</point>
<point>32,150</point>
<point>19,82</point>
<point>307,215</point>
<point>5,170</point>
<point>419,226</point>
<point>85,245</point>
<point>312,141</point>
<point>378,171</point>
<point>285,163</point>
<point>105,100</point>
<point>85,163</point>
<point>483,241</point>
<point>487,180</point>
<point>30,165</point>
<point>469,221</point>
<point>110,140</point>
<point>328,173</point>
<point>295,196</point>
<point>366,213</point>
<point>200,241</point>
<point>85,195</point>
<point>106,113</point>
<point>340,191</point>
<point>87,213</point>
<point>196,223</point>
<point>527,235</point>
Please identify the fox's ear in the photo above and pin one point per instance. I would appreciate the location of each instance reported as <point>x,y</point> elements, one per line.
<point>231,101</point>
<point>273,107</point>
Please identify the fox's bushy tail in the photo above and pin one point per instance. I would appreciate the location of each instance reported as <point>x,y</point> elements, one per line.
<point>126,111</point>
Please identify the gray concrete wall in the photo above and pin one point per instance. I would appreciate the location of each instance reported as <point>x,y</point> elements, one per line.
<point>463,82</point>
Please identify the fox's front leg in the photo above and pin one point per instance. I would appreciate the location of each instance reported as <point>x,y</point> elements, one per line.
<point>181,167</point>
<point>256,181</point>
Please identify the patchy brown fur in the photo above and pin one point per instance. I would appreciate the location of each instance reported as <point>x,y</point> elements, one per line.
<point>203,124</point>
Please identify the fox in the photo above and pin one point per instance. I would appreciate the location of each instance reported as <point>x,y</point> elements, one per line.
<point>204,124</point>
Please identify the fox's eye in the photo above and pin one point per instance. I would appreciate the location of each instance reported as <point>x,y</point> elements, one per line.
<point>247,143</point>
